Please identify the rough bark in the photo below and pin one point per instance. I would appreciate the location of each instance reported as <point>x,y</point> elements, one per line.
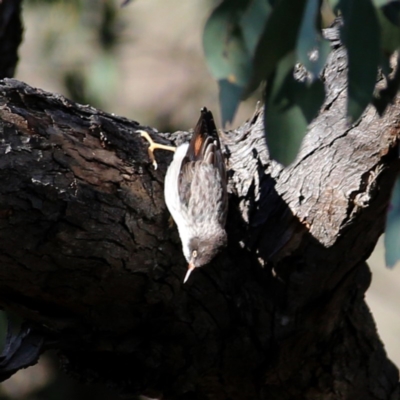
<point>87,255</point>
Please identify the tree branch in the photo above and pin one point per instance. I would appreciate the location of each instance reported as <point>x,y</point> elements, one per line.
<point>86,252</point>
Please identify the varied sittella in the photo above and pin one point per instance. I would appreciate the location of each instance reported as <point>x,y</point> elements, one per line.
<point>195,192</point>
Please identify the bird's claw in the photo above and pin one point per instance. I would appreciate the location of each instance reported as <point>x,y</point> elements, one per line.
<point>153,146</point>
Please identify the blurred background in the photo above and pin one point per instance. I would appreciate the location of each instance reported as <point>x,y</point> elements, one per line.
<point>145,62</point>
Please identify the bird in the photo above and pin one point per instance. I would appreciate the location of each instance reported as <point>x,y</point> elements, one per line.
<point>195,192</point>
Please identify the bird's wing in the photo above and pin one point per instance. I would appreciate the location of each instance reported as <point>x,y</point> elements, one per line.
<point>205,134</point>
<point>204,147</point>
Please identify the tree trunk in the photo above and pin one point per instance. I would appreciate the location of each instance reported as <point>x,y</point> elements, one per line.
<point>88,256</point>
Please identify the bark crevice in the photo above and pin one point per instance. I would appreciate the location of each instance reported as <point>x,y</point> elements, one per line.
<point>88,258</point>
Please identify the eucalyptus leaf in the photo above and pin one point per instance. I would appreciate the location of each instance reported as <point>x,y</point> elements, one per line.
<point>229,99</point>
<point>227,53</point>
<point>290,106</point>
<point>312,49</point>
<point>224,44</point>
<point>390,31</point>
<point>253,23</point>
<point>278,39</point>
<point>363,49</point>
<point>391,10</point>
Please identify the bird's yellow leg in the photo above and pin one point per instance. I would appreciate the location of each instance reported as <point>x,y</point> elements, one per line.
<point>154,146</point>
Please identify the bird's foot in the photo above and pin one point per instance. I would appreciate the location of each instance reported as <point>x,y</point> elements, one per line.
<point>153,146</point>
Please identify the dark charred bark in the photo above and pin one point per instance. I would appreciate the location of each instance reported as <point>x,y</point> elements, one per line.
<point>87,254</point>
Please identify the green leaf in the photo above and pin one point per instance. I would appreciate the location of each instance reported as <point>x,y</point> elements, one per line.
<point>391,10</point>
<point>312,49</point>
<point>278,39</point>
<point>392,232</point>
<point>226,52</point>
<point>253,23</point>
<point>229,98</point>
<point>363,49</point>
<point>224,45</point>
<point>390,31</point>
<point>230,38</point>
<point>290,106</point>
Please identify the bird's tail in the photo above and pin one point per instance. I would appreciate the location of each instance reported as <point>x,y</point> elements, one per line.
<point>205,134</point>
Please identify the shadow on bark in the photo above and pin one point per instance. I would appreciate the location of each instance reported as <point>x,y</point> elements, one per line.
<point>87,254</point>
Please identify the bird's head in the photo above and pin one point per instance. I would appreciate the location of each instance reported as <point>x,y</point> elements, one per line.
<point>201,250</point>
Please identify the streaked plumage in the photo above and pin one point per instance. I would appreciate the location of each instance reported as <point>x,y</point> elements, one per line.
<point>196,195</point>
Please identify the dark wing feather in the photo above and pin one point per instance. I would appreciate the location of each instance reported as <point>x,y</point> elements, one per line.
<point>204,147</point>
<point>205,133</point>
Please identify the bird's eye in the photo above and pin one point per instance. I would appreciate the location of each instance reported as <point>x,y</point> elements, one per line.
<point>194,253</point>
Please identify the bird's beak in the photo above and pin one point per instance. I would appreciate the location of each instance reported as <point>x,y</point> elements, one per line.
<point>191,267</point>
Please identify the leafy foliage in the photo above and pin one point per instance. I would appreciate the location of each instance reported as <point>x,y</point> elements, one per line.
<point>248,42</point>
<point>230,41</point>
<point>363,46</point>
<point>290,106</point>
